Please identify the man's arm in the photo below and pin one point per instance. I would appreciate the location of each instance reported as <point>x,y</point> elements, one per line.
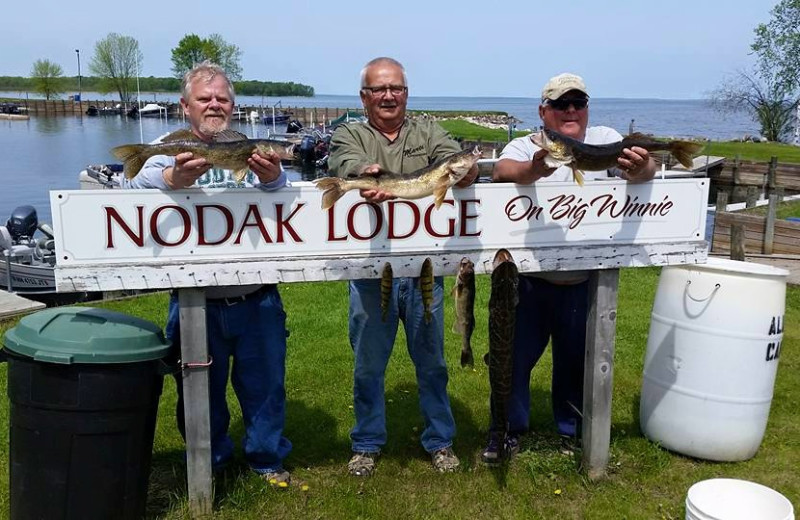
<point>348,157</point>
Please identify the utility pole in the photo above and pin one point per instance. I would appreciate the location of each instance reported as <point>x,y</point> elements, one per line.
<point>78,53</point>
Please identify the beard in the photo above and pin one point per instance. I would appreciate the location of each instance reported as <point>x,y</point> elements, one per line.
<point>213,126</point>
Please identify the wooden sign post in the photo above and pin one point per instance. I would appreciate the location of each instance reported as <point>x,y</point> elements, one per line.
<point>191,239</point>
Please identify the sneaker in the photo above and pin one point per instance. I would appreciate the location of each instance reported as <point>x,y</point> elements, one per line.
<point>278,479</point>
<point>444,460</point>
<point>569,444</point>
<point>498,449</point>
<point>362,463</point>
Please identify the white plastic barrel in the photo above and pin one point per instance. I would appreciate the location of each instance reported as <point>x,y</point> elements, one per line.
<point>732,499</point>
<point>712,355</point>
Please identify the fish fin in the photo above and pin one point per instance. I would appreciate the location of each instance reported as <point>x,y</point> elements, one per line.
<point>132,156</point>
<point>228,136</point>
<point>578,176</point>
<point>184,134</point>
<point>332,190</point>
<point>439,192</point>
<point>240,174</point>
<point>684,150</point>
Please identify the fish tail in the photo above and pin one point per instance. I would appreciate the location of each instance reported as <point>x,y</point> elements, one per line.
<point>683,151</point>
<point>578,176</point>
<point>332,190</point>
<point>132,158</point>
<point>386,289</point>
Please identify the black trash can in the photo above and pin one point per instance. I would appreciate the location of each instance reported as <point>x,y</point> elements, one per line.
<point>84,385</point>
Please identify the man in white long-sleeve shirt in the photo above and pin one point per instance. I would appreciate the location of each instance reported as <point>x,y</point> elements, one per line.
<point>245,323</point>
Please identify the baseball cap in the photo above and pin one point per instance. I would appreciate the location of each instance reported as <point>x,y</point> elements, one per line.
<point>559,85</point>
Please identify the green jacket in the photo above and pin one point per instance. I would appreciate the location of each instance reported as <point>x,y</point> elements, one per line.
<point>420,143</point>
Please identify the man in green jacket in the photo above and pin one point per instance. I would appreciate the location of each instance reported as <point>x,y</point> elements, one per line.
<point>391,142</point>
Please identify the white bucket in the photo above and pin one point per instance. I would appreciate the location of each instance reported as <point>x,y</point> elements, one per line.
<point>732,499</point>
<point>712,355</point>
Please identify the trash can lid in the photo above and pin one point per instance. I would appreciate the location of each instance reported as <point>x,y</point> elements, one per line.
<point>86,335</point>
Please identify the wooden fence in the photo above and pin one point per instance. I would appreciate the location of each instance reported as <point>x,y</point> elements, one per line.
<point>784,236</point>
<point>742,179</point>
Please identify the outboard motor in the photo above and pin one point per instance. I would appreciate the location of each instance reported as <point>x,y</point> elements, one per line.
<point>293,126</point>
<point>23,223</point>
<point>306,148</point>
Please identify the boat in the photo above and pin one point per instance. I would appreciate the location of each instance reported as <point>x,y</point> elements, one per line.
<point>94,110</point>
<point>29,259</point>
<point>277,117</point>
<point>100,176</point>
<point>149,110</point>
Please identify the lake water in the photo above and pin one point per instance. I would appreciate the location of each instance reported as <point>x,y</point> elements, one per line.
<point>46,153</point>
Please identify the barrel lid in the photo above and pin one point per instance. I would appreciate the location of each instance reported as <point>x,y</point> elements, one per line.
<point>68,335</point>
<point>724,264</point>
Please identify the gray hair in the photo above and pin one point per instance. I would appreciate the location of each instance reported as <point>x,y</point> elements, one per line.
<point>206,71</point>
<point>382,60</point>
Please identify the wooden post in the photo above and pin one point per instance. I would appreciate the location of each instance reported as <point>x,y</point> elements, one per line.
<point>752,197</point>
<point>737,242</point>
<point>722,201</point>
<point>772,173</point>
<point>737,177</point>
<point>599,370</point>
<point>194,351</point>
<point>769,231</point>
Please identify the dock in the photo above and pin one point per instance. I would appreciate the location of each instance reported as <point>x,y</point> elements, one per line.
<point>12,305</point>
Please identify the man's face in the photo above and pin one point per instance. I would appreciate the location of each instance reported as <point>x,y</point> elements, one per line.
<point>564,116</point>
<point>209,106</point>
<point>385,106</point>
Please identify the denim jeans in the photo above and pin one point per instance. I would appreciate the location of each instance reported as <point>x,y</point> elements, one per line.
<point>546,311</point>
<point>372,340</point>
<point>252,333</point>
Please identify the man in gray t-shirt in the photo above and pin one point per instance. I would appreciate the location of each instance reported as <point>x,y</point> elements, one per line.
<point>554,305</point>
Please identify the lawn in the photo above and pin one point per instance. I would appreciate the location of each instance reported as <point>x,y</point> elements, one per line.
<point>762,152</point>
<point>645,481</point>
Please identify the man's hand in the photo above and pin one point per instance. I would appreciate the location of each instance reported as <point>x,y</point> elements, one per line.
<point>469,178</point>
<point>636,164</point>
<point>267,167</point>
<point>374,196</point>
<point>186,171</point>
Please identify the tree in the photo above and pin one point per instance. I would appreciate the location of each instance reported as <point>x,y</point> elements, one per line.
<point>46,77</point>
<point>118,60</point>
<point>192,49</point>
<point>769,93</point>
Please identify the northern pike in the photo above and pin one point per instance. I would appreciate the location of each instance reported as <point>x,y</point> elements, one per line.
<point>502,319</point>
<point>566,151</point>
<point>229,150</point>
<point>386,289</point>
<point>434,180</point>
<point>426,287</point>
<point>464,294</point>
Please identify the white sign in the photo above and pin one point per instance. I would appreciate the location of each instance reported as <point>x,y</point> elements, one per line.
<point>158,237</point>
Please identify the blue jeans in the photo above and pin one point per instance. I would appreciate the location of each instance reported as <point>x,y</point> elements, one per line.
<point>372,340</point>
<point>253,333</point>
<point>546,311</point>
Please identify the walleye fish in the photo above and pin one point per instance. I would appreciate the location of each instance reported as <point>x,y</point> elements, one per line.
<point>386,289</point>
<point>426,287</point>
<point>502,319</point>
<point>566,151</point>
<point>431,180</point>
<point>229,150</point>
<point>464,294</point>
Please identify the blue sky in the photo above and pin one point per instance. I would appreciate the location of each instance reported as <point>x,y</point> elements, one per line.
<point>679,49</point>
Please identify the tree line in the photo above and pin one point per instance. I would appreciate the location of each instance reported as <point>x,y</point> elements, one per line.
<point>69,84</point>
<point>117,63</point>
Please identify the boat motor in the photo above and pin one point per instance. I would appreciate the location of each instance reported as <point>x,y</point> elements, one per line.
<point>23,223</point>
<point>306,148</point>
<point>293,126</point>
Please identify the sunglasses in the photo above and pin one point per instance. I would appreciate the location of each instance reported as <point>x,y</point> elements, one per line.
<point>563,104</point>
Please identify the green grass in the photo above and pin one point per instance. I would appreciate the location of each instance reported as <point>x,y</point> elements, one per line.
<point>789,208</point>
<point>761,152</point>
<point>645,481</point>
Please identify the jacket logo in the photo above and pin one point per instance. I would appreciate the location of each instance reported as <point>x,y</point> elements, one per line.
<point>409,152</point>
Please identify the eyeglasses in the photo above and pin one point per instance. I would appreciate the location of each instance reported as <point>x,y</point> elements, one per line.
<point>563,104</point>
<point>396,90</point>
